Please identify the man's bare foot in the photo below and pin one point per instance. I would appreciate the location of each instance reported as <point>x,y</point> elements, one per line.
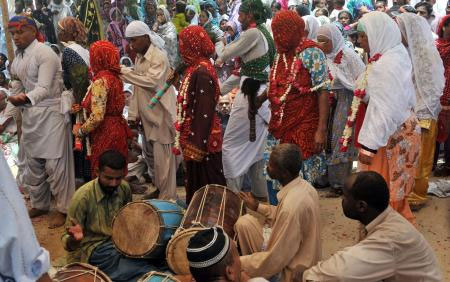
<point>35,212</point>
<point>56,220</point>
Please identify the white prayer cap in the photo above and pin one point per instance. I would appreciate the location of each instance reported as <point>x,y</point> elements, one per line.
<point>138,28</point>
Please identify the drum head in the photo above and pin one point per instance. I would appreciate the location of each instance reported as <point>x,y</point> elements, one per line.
<point>176,251</point>
<point>80,272</point>
<point>136,229</point>
<point>157,277</point>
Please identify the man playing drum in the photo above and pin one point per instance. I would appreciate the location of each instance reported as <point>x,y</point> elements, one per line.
<point>294,244</point>
<point>89,222</point>
<point>213,256</point>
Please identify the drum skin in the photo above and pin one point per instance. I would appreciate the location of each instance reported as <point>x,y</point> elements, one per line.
<point>214,205</point>
<point>80,272</point>
<point>142,229</point>
<point>155,276</point>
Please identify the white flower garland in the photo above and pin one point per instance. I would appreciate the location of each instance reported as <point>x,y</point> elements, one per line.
<point>181,113</point>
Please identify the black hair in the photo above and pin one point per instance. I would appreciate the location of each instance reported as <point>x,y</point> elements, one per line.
<point>112,159</point>
<point>340,2</point>
<point>276,4</point>
<point>370,187</point>
<point>348,14</point>
<point>302,10</point>
<point>409,9</point>
<point>2,76</point>
<point>288,157</point>
<point>324,12</point>
<point>426,5</point>
<point>180,7</point>
<point>384,2</point>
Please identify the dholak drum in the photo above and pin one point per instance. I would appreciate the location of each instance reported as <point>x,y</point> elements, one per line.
<point>176,250</point>
<point>80,272</point>
<point>142,229</point>
<point>158,277</point>
<point>214,205</point>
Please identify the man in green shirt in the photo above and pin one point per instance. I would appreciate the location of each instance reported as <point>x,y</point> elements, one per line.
<point>89,221</point>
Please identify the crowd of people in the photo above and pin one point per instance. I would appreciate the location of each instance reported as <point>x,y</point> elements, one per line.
<point>279,99</point>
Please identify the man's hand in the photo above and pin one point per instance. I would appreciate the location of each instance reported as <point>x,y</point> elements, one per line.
<point>75,231</point>
<point>219,62</point>
<point>19,99</point>
<point>249,201</point>
<point>319,139</point>
<point>365,159</point>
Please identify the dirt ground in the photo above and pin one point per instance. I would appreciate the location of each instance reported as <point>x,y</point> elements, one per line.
<point>338,232</point>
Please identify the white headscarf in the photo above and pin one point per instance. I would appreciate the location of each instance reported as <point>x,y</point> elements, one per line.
<point>138,28</point>
<point>428,69</point>
<point>311,25</point>
<point>323,20</point>
<point>351,66</point>
<point>390,89</point>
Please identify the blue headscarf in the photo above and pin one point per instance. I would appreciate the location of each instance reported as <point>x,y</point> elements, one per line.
<point>354,6</point>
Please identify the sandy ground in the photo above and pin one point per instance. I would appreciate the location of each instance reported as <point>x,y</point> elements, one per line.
<point>338,232</point>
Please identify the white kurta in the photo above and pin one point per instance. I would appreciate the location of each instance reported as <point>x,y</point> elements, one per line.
<point>238,153</point>
<point>46,138</point>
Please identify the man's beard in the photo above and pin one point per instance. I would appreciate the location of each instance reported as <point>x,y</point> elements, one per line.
<point>108,190</point>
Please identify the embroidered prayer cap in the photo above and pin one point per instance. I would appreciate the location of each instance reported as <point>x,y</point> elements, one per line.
<point>22,21</point>
<point>104,55</point>
<point>138,28</point>
<point>288,29</point>
<point>195,44</point>
<point>256,8</point>
<point>207,247</point>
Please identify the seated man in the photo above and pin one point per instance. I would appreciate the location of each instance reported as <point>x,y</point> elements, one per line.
<point>89,222</point>
<point>393,249</point>
<point>294,244</point>
<point>213,256</point>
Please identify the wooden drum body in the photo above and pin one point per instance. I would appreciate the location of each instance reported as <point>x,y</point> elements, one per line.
<point>214,205</point>
<point>158,277</point>
<point>176,251</point>
<point>80,272</point>
<point>142,229</point>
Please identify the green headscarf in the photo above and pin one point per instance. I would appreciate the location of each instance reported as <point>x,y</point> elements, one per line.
<point>257,9</point>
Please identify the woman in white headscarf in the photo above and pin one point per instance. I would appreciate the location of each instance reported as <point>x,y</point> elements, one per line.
<point>345,65</point>
<point>429,81</point>
<point>311,26</point>
<point>389,133</point>
<point>166,29</point>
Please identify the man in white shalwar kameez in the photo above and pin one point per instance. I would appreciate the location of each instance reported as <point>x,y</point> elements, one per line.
<point>21,257</point>
<point>46,138</point>
<point>256,48</point>
<point>149,74</point>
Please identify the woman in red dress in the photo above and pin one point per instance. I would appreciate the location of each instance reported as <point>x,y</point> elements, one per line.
<point>103,105</point>
<point>199,134</point>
